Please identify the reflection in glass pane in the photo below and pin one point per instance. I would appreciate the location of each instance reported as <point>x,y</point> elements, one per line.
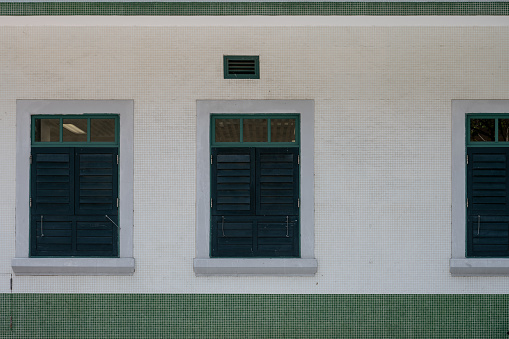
<point>503,130</point>
<point>255,130</point>
<point>482,130</point>
<point>227,130</point>
<point>282,130</point>
<point>102,130</point>
<point>74,130</point>
<point>47,130</point>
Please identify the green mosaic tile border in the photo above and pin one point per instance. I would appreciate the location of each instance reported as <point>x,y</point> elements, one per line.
<point>255,8</point>
<point>253,316</point>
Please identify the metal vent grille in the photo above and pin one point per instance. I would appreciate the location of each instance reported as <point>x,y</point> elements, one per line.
<point>241,67</point>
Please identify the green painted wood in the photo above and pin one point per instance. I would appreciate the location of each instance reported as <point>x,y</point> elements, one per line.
<point>277,187</point>
<point>255,195</point>
<point>73,189</point>
<point>488,202</point>
<point>232,185</point>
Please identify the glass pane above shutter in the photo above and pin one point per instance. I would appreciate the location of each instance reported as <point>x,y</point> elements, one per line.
<point>282,130</point>
<point>503,130</point>
<point>47,130</point>
<point>227,130</point>
<point>482,130</point>
<point>74,130</point>
<point>102,130</point>
<point>255,130</point>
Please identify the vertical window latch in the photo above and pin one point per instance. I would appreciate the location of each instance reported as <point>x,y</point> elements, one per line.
<point>117,159</point>
<point>30,201</point>
<point>30,159</point>
<point>298,202</point>
<point>210,202</point>
<point>117,202</point>
<point>298,159</point>
<point>467,159</point>
<point>467,202</point>
<point>211,159</point>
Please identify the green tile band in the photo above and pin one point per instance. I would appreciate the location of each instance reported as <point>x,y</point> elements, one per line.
<point>253,316</point>
<point>254,8</point>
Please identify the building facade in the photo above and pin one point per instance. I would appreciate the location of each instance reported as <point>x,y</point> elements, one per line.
<point>158,216</point>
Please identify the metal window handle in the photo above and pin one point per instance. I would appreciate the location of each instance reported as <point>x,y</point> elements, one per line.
<point>478,224</point>
<point>287,227</point>
<point>111,221</point>
<point>42,231</point>
<point>222,227</point>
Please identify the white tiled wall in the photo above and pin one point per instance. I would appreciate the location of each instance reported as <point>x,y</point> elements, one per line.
<point>382,141</point>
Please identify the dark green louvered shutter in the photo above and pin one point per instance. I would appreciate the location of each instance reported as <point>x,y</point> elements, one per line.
<point>277,199</point>
<point>52,201</point>
<point>488,202</point>
<point>74,192</point>
<point>255,194</point>
<point>96,201</point>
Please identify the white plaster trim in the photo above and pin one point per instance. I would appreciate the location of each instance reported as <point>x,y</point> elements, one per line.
<point>73,266</point>
<point>206,265</point>
<point>292,267</point>
<point>22,263</point>
<point>459,264</point>
<point>256,21</point>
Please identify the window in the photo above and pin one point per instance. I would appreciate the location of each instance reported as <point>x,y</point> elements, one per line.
<point>75,200</point>
<point>74,186</point>
<point>236,142</point>
<point>255,190</point>
<point>480,187</point>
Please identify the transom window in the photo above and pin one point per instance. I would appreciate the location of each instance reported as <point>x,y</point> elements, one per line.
<point>255,130</point>
<point>54,130</point>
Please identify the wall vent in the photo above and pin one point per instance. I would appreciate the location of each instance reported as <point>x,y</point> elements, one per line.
<point>241,67</point>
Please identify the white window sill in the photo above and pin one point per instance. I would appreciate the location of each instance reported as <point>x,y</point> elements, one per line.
<point>73,266</point>
<point>479,266</point>
<point>287,267</point>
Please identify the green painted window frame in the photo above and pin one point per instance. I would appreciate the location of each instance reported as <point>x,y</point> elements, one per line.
<point>88,143</point>
<point>75,145</point>
<point>495,143</point>
<point>483,148</point>
<point>269,143</point>
<point>255,58</point>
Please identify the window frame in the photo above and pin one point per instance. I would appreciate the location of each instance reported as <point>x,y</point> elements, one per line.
<point>124,264</point>
<point>460,264</point>
<point>203,264</point>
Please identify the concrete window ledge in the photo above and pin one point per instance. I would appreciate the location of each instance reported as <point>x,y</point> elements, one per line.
<point>73,266</point>
<point>290,267</point>
<point>479,267</point>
